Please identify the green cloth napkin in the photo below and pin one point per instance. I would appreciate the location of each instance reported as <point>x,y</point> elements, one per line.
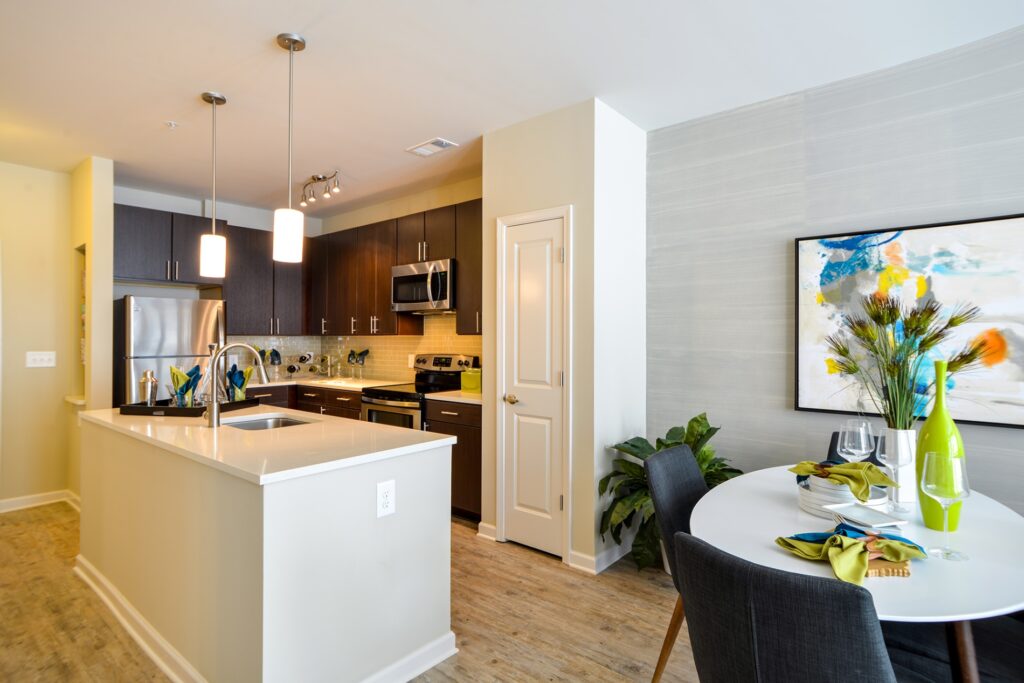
<point>859,476</point>
<point>183,383</point>
<point>849,556</point>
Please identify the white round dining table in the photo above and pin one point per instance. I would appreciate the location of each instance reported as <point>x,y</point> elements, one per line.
<point>744,516</point>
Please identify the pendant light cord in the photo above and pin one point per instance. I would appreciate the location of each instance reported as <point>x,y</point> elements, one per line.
<point>291,62</point>
<point>213,212</point>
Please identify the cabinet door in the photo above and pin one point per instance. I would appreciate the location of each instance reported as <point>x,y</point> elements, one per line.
<point>409,239</point>
<point>343,284</point>
<point>465,466</point>
<point>185,248</point>
<point>142,244</point>
<point>249,285</point>
<point>439,234</point>
<point>383,238</point>
<point>316,284</point>
<point>469,267</point>
<point>289,303</point>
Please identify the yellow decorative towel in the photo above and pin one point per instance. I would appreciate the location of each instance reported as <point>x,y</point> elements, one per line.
<point>859,476</point>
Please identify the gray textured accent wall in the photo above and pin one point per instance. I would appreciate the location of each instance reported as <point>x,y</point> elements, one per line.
<point>938,139</point>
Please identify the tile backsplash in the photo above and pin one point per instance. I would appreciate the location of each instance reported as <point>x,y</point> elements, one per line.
<point>388,357</point>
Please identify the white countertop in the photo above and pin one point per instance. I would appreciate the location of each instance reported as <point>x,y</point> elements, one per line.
<point>457,397</point>
<point>266,456</point>
<point>332,383</point>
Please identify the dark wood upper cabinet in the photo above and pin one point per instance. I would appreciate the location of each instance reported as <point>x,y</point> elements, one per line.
<point>469,267</point>
<point>289,314</point>
<point>409,239</point>
<point>248,289</point>
<point>186,236</point>
<point>142,244</point>
<point>343,284</point>
<point>439,234</point>
<point>315,283</point>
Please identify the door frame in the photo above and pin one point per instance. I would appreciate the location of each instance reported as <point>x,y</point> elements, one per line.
<point>503,224</point>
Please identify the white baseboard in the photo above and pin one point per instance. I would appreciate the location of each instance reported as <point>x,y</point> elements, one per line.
<point>37,499</point>
<point>596,565</point>
<point>415,663</point>
<point>74,501</point>
<point>488,531</point>
<point>163,654</point>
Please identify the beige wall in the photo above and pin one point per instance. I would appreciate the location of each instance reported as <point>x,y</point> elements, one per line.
<point>433,198</point>
<point>38,302</point>
<point>590,157</point>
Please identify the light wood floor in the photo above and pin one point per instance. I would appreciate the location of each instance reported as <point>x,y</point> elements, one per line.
<point>518,615</point>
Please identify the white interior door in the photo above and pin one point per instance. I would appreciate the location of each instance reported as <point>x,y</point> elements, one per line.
<point>533,408</point>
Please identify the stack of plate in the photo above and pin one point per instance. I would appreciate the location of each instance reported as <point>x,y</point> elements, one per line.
<point>816,493</point>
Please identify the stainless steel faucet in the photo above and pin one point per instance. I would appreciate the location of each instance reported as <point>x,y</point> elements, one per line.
<point>213,410</point>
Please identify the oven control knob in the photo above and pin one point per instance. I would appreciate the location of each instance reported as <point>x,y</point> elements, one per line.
<point>421,361</point>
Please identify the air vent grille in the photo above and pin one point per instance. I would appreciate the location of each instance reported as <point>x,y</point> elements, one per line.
<point>425,149</point>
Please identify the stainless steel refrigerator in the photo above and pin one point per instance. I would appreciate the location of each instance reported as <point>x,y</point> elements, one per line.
<point>152,333</point>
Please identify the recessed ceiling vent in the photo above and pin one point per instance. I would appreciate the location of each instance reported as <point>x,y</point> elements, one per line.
<point>425,149</point>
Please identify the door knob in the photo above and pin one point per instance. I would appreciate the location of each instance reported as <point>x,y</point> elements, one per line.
<point>511,399</point>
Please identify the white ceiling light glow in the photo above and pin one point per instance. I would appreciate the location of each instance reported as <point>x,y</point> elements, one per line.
<point>289,223</point>
<point>213,248</point>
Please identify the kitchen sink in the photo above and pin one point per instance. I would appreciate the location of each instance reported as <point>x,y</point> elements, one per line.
<point>272,422</point>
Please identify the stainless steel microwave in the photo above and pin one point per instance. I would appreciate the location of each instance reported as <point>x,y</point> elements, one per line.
<point>427,287</point>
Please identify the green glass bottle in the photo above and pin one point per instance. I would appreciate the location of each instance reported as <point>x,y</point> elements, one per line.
<point>938,435</point>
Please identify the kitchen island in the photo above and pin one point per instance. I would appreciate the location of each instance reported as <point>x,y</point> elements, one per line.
<point>240,554</point>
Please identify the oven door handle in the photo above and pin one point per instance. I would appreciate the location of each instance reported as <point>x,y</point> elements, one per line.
<point>430,284</point>
<point>394,404</point>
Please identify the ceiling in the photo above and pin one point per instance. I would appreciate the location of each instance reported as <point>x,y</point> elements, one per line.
<point>101,78</point>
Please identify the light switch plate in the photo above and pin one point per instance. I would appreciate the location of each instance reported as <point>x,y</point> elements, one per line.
<point>385,498</point>
<point>40,359</point>
<point>412,360</point>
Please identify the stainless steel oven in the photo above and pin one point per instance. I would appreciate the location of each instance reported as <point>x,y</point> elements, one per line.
<point>426,287</point>
<point>391,412</point>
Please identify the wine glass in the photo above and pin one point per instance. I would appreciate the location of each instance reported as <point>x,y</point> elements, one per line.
<point>895,459</point>
<point>856,440</point>
<point>944,479</point>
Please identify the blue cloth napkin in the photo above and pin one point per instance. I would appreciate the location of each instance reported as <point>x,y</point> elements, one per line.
<point>850,532</point>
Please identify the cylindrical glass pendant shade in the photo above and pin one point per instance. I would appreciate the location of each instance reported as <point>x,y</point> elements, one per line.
<point>288,235</point>
<point>212,255</point>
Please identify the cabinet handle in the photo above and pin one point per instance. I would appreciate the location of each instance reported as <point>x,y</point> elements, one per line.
<point>450,412</point>
<point>271,319</point>
<point>342,398</point>
<point>322,410</point>
<point>168,269</point>
<point>310,395</point>
<point>419,251</point>
<point>353,325</point>
<point>323,325</point>
<point>262,396</point>
<point>478,322</point>
<point>279,326</point>
<point>426,249</point>
<point>175,270</point>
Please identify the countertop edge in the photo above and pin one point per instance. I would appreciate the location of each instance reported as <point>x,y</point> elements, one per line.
<point>457,396</point>
<point>263,479</point>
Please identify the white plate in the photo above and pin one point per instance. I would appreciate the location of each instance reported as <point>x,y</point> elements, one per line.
<point>862,515</point>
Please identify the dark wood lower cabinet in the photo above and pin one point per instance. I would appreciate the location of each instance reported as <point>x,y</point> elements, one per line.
<point>461,420</point>
<point>335,402</point>
<point>280,397</point>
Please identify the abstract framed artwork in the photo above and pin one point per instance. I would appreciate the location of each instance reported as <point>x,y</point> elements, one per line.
<point>980,262</point>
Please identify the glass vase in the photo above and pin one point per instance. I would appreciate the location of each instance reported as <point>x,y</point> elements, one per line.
<point>939,434</point>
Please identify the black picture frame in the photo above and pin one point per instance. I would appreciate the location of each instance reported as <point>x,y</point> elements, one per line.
<point>796,318</point>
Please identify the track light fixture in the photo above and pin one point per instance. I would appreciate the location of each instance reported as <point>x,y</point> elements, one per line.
<point>319,185</point>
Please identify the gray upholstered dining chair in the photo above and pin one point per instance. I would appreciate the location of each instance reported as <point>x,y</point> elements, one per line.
<point>754,623</point>
<point>676,485</point>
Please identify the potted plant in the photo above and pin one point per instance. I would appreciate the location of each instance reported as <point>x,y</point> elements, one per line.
<point>888,351</point>
<point>631,494</point>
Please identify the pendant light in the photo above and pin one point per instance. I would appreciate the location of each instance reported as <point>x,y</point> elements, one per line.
<point>288,223</point>
<point>213,247</point>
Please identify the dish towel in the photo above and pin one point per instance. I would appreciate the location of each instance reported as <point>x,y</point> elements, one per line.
<point>184,385</point>
<point>238,380</point>
<point>859,476</point>
<point>848,549</point>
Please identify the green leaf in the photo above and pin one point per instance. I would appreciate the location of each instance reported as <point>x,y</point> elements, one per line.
<point>676,435</point>
<point>630,468</point>
<point>702,440</point>
<point>638,447</point>
<point>626,505</point>
<point>646,549</point>
<point>602,486</point>
<point>695,428</point>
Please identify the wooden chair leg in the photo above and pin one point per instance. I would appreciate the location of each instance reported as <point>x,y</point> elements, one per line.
<point>670,639</point>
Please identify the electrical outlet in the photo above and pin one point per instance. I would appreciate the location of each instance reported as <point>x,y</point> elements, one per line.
<point>412,360</point>
<point>385,498</point>
<point>40,359</point>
